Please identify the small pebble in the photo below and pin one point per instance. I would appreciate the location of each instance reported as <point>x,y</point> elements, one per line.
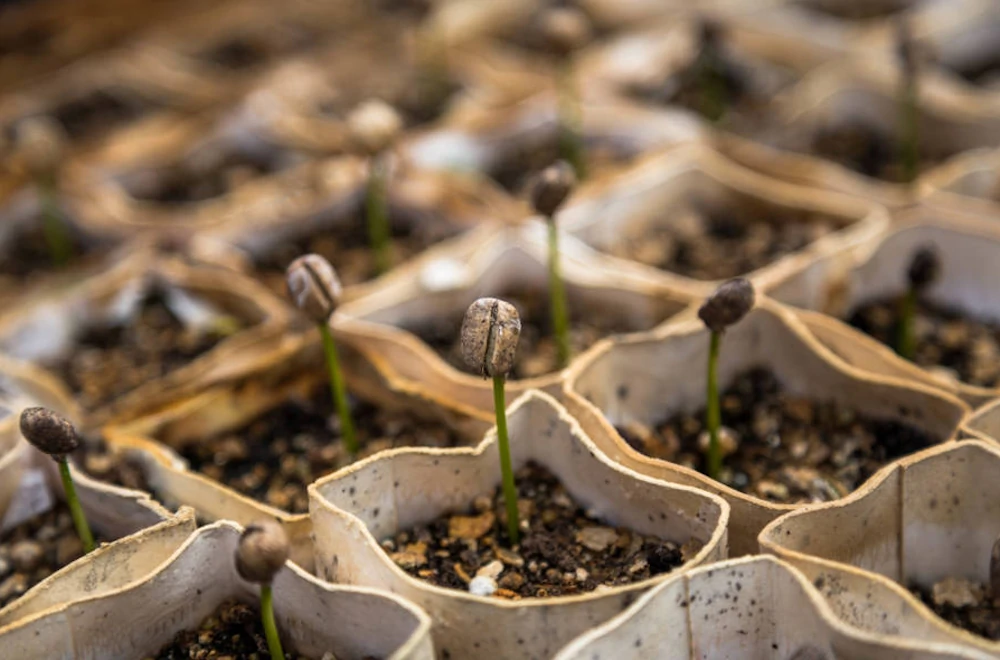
<point>483,586</point>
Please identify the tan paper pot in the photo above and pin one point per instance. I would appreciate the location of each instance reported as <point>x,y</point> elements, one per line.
<point>741,609</point>
<point>966,248</point>
<point>860,94</point>
<point>384,324</point>
<point>968,183</point>
<point>984,422</point>
<point>45,330</point>
<point>693,180</point>
<point>928,517</point>
<point>648,378</point>
<point>355,509</point>
<point>140,617</point>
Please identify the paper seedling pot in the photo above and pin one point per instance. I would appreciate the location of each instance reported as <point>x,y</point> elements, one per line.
<point>966,246</point>
<point>44,328</point>
<point>751,608</point>
<point>491,261</point>
<point>635,379</point>
<point>984,422</point>
<point>353,510</point>
<point>927,517</point>
<point>968,183</point>
<point>862,91</point>
<point>312,617</point>
<point>691,175</point>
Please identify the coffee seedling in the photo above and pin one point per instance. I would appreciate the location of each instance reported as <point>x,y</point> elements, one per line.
<point>725,307</point>
<point>261,553</point>
<point>54,435</point>
<point>41,142</point>
<point>567,29</point>
<point>374,126</point>
<point>924,269</point>
<point>549,191</point>
<point>490,331</point>
<point>909,118</point>
<point>314,288</point>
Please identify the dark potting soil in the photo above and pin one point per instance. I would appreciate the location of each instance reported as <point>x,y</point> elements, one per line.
<point>35,549</point>
<point>234,631</point>
<point>870,151</point>
<point>564,551</point>
<point>536,349</point>
<point>721,243</point>
<point>857,10</point>
<point>274,458</point>
<point>347,247</point>
<point>706,86</point>
<point>964,604</point>
<point>99,112</point>
<point>97,462</point>
<point>782,448</point>
<point>983,72</point>
<point>29,253</point>
<point>109,361</point>
<point>522,163</point>
<point>945,337</point>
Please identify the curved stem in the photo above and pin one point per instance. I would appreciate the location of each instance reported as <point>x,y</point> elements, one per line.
<point>712,414</point>
<point>75,510</point>
<point>378,216</point>
<point>506,469</point>
<point>339,390</point>
<point>267,618</point>
<point>557,298</point>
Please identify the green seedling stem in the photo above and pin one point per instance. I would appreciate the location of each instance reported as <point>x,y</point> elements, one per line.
<point>712,414</point>
<point>267,619</point>
<point>507,471</point>
<point>339,390</point>
<point>75,510</point>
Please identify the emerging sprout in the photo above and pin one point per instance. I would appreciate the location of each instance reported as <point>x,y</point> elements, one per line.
<point>708,69</point>
<point>924,269</point>
<point>314,288</point>
<point>54,435</point>
<point>730,303</point>
<point>42,144</point>
<point>566,29</point>
<point>261,553</point>
<point>490,332</point>
<point>374,127</point>
<point>549,191</point>
<point>909,137</point>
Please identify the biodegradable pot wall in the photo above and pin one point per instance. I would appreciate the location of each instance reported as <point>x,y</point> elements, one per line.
<point>967,249</point>
<point>353,510</point>
<point>493,261</point>
<point>984,422</point>
<point>968,183</point>
<point>694,178</point>
<point>861,92</point>
<point>929,516</point>
<point>314,618</point>
<point>635,379</point>
<point>44,329</point>
<point>748,608</point>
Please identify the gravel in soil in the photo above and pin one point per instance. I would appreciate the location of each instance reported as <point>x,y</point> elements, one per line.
<point>233,631</point>
<point>29,253</point>
<point>564,551</point>
<point>965,604</point>
<point>107,361</point>
<point>275,457</point>
<point>871,152</point>
<point>781,447</point>
<point>707,243</point>
<point>346,246</point>
<point>35,549</point>
<point>946,339</point>
<point>537,354</point>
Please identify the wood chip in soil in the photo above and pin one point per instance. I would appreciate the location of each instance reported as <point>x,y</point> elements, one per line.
<point>966,349</point>
<point>714,242</point>
<point>536,349</point>
<point>565,550</point>
<point>275,457</point>
<point>963,603</point>
<point>871,152</point>
<point>35,549</point>
<point>781,447</point>
<point>233,631</point>
<point>107,362</point>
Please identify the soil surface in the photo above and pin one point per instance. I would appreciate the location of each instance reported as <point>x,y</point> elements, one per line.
<point>965,604</point>
<point>565,551</point>
<point>871,152</point>
<point>233,631</point>
<point>274,458</point>
<point>781,447</point>
<point>99,112</point>
<point>32,255</point>
<point>536,349</point>
<point>109,361</point>
<point>967,348</point>
<point>983,72</point>
<point>721,243</point>
<point>346,246</point>
<point>521,163</point>
<point>94,460</point>
<point>858,10</point>
<point>36,549</point>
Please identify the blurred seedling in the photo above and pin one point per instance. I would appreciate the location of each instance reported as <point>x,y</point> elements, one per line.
<point>566,30</point>
<point>42,144</point>
<point>923,271</point>
<point>261,553</point>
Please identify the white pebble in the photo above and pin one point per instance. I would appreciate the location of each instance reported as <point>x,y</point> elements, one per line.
<point>491,570</point>
<point>481,585</point>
